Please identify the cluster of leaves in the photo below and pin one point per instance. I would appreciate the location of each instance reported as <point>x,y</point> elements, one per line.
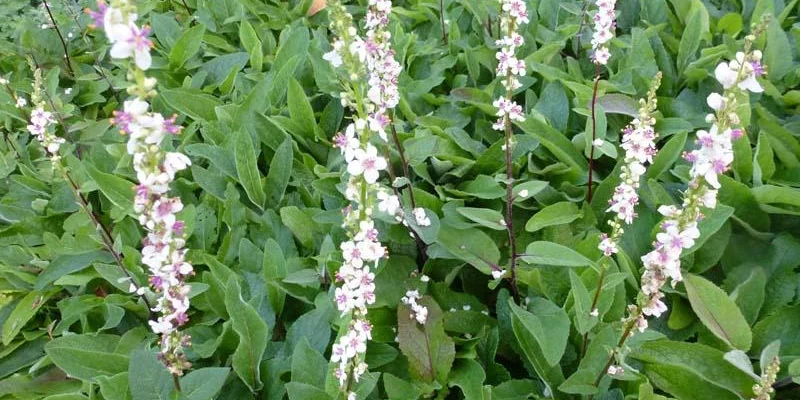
<point>263,196</point>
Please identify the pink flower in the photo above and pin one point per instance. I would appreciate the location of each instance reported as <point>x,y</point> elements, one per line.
<point>368,163</point>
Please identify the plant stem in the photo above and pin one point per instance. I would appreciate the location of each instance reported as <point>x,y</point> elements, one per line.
<point>176,379</point>
<point>441,16</point>
<point>422,248</point>
<point>594,131</point>
<point>61,37</point>
<point>592,308</point>
<point>509,219</point>
<point>626,333</point>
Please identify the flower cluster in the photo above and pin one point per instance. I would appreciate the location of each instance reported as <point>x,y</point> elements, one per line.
<point>712,158</point>
<point>769,374</point>
<point>163,251</point>
<point>418,311</point>
<point>514,14</point>
<point>369,60</point>
<point>41,120</point>
<point>604,25</point>
<point>638,141</point>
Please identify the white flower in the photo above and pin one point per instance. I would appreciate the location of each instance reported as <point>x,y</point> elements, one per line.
<point>368,163</point>
<point>174,162</point>
<point>497,274</point>
<point>716,101</point>
<point>134,43</point>
<point>420,216</point>
<point>21,102</point>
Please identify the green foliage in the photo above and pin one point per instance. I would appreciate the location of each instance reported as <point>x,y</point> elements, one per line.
<point>264,195</point>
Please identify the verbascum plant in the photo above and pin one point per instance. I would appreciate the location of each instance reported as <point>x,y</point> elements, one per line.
<point>163,250</point>
<point>513,15</point>
<point>604,25</point>
<point>369,73</point>
<point>712,158</point>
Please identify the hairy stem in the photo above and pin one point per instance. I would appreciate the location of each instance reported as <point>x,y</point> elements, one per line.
<point>60,37</point>
<point>626,333</point>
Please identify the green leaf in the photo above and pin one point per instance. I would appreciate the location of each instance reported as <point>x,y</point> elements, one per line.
<point>667,156</point>
<point>280,171</point>
<point>253,336</point>
<point>87,356</point>
<point>308,365</point>
<point>66,264</point>
<point>470,245</point>
<point>251,43</point>
<point>549,253</point>
<point>246,158</point>
<point>782,325</point>
<point>299,107</point>
<point>195,103</point>
<point>186,46</point>
<point>469,376</point>
<point>696,28</point>
<point>116,189</point>
<point>555,214</point>
<point>203,383</point>
<point>300,223</point>
<point>148,379</point>
<point>554,141</point>
<point>692,371</point>
<point>524,327</point>
<point>484,216</point>
<point>20,357</point>
<point>303,391</point>
<point>580,294</point>
<point>23,312</point>
<point>548,324</point>
<point>718,312</point>
<point>429,350</point>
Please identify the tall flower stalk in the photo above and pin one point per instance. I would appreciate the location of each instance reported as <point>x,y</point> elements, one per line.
<point>367,60</point>
<point>712,158</point>
<point>513,15</point>
<point>638,141</point>
<point>604,25</point>
<point>163,251</point>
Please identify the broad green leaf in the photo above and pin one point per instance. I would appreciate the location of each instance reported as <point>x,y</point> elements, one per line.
<point>26,309</point>
<point>116,189</point>
<point>429,350</point>
<point>186,46</point>
<point>548,324</point>
<point>484,216</point>
<point>196,104</point>
<point>718,312</point>
<point>549,253</point>
<point>308,366</point>
<point>87,356</point>
<point>20,357</point>
<point>554,141</point>
<point>66,264</point>
<point>148,379</point>
<point>521,325</point>
<point>246,158</point>
<point>299,107</point>
<point>696,28</point>
<point>251,43</point>
<point>782,325</point>
<point>253,336</point>
<point>280,171</point>
<point>469,376</point>
<point>584,321</point>
<point>680,368</point>
<point>471,245</point>
<point>203,383</point>
<point>300,223</point>
<point>667,156</point>
<point>555,214</point>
